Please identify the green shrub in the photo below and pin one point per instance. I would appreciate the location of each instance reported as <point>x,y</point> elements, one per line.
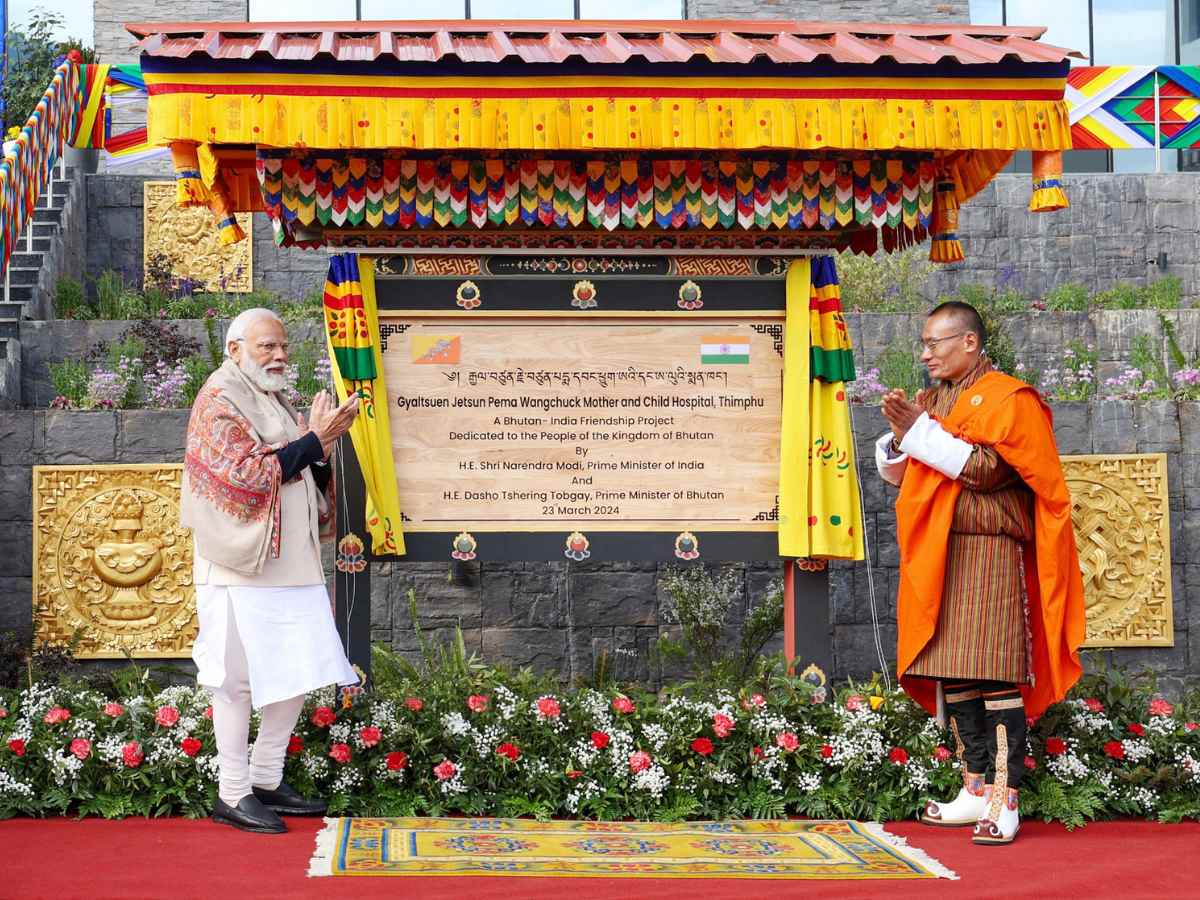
<point>1121,295</point>
<point>1164,293</point>
<point>70,380</point>
<point>1069,297</point>
<point>69,300</point>
<point>900,366</point>
<point>886,282</point>
<point>198,369</point>
<point>115,299</point>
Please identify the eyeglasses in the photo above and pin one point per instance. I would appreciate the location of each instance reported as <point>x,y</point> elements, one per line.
<point>931,344</point>
<point>270,346</point>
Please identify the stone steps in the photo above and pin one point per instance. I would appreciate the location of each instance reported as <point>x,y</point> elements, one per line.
<point>33,244</point>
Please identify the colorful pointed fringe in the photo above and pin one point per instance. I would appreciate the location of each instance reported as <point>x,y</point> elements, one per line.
<point>351,191</point>
<point>945,247</point>
<point>1048,194</point>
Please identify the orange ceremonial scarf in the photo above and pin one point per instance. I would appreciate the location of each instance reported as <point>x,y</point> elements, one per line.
<point>1009,416</point>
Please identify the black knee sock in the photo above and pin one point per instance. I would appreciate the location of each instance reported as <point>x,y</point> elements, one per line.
<point>965,716</point>
<point>1004,712</point>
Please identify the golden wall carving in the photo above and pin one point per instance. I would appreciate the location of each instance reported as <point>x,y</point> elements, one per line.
<point>1122,529</point>
<point>188,239</point>
<point>111,561</point>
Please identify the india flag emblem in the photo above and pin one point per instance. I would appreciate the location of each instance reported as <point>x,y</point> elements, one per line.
<point>724,350</point>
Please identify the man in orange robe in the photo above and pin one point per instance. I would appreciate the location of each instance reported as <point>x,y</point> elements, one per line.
<point>990,612</point>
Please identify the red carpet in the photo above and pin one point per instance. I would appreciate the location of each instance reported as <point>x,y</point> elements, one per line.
<point>178,859</point>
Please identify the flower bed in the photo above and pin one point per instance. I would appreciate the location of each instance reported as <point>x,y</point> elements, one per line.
<point>486,742</point>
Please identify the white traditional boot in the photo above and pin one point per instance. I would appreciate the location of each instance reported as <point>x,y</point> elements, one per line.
<point>1000,821</point>
<point>965,809</point>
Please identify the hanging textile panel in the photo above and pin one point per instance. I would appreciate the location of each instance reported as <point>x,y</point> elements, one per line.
<point>396,193</point>
<point>284,103</point>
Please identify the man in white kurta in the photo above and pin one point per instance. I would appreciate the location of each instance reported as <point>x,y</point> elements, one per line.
<point>255,494</point>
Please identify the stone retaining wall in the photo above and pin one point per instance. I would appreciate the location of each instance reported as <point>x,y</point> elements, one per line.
<point>558,618</point>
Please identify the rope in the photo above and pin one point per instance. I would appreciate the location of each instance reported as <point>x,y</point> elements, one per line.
<point>883,665</point>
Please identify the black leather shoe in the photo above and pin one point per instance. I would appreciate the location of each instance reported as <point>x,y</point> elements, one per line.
<point>287,802</point>
<point>248,815</point>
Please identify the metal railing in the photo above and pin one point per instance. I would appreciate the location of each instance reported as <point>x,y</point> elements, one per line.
<point>29,160</point>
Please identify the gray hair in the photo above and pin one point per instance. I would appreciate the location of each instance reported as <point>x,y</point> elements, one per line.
<point>241,324</point>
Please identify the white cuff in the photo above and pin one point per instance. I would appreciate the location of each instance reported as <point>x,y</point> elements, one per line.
<point>929,442</point>
<point>891,468</point>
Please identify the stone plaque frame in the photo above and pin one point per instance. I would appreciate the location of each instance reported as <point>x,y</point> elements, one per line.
<point>111,561</point>
<point>1121,516</point>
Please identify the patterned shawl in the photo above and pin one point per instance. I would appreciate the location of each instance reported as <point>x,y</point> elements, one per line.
<point>231,478</point>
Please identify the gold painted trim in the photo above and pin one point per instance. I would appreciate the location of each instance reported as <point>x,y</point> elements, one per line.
<point>593,525</point>
<point>963,695</point>
<point>571,316</point>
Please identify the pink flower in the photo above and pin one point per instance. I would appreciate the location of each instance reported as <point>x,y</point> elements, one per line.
<point>132,754</point>
<point>80,748</point>
<point>477,703</point>
<point>17,746</point>
<point>3,713</point>
<point>758,753</point>
<point>415,704</point>
<point>1137,728</point>
<point>1191,726</point>
<point>599,740</point>
<point>445,770</point>
<point>722,725</point>
<point>370,736</point>
<point>1030,762</point>
<point>548,708</point>
<point>509,750</point>
<point>1093,705</point>
<point>856,703</point>
<point>826,751</point>
<point>323,717</point>
<point>639,761</point>
<point>340,753</point>
<point>898,756</point>
<point>703,746</point>
<point>166,716</point>
<point>787,740</point>
<point>207,712</point>
<point>1160,707</point>
<point>396,761</point>
<point>190,746</point>
<point>623,705</point>
<point>758,700</point>
<point>56,714</point>
<point>941,754</point>
<point>295,745</point>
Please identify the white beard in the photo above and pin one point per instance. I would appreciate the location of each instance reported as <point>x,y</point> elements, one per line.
<point>263,379</point>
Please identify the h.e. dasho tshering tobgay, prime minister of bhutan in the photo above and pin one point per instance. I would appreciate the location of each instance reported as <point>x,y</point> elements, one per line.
<point>990,612</point>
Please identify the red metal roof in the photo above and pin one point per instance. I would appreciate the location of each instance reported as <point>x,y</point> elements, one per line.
<point>721,41</point>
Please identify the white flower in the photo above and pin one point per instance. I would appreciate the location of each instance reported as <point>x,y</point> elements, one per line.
<point>653,781</point>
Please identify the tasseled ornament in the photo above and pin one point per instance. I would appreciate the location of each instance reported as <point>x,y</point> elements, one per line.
<point>227,226</point>
<point>944,245</point>
<point>1048,194</point>
<point>189,189</point>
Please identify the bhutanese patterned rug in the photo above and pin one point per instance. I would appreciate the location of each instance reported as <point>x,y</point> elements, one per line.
<point>743,849</point>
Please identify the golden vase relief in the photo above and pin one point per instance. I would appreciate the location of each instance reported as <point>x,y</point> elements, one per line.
<point>112,563</point>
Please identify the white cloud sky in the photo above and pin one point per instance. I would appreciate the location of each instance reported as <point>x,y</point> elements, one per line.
<point>77,14</point>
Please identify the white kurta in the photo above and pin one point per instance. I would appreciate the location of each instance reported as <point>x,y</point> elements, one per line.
<point>291,642</point>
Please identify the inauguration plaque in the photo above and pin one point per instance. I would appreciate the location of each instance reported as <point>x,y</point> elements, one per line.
<point>594,408</point>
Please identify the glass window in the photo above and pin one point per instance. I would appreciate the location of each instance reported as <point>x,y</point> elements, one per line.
<point>634,9</point>
<point>527,9</point>
<point>1143,161</point>
<point>391,10</point>
<point>1133,32</point>
<point>1066,22</point>
<point>1189,32</point>
<point>302,11</point>
<point>989,12</point>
